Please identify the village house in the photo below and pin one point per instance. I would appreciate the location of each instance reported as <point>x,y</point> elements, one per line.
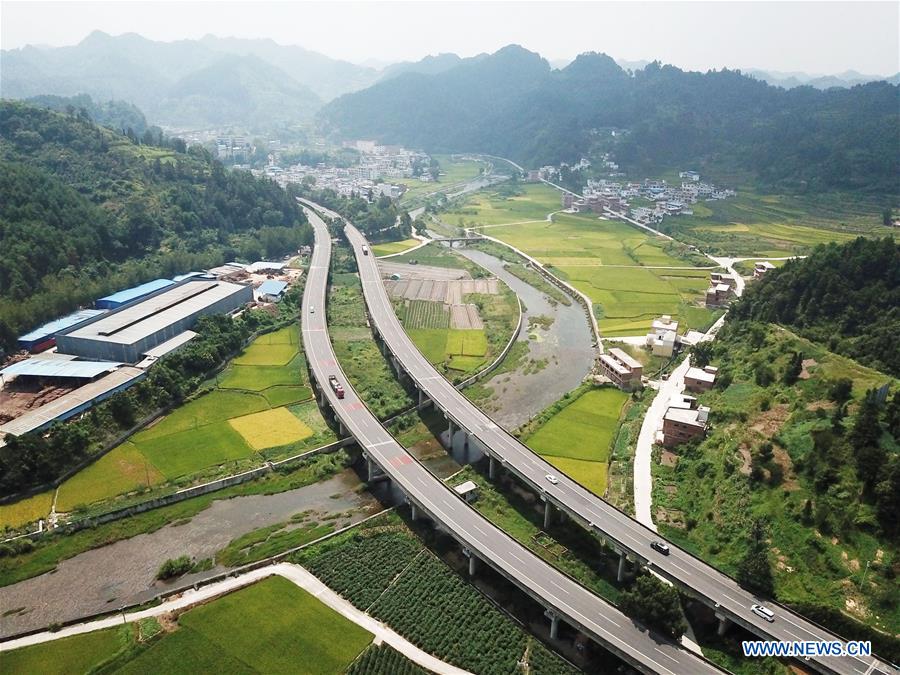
<point>684,420</point>
<point>761,268</point>
<point>700,379</point>
<point>663,336</point>
<point>623,370</point>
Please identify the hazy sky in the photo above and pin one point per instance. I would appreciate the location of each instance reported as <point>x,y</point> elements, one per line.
<point>820,37</point>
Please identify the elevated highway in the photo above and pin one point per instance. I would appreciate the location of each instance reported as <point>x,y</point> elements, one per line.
<point>482,542</point>
<point>730,602</point>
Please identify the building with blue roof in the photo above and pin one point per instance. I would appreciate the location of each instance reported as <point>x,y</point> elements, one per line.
<point>122,298</point>
<point>271,290</point>
<point>44,337</point>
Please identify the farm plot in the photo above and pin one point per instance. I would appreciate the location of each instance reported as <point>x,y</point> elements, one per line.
<point>264,628</point>
<point>271,612</point>
<point>578,438</point>
<point>384,660</point>
<point>254,389</point>
<point>26,510</point>
<point>461,350</point>
<point>533,202</point>
<point>630,278</point>
<point>123,469</point>
<point>67,656</point>
<point>270,428</point>
<point>778,225</point>
<point>424,314</point>
<point>388,573</point>
<point>392,247</point>
<point>442,614</point>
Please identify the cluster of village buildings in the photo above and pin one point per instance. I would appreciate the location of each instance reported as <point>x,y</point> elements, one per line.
<point>667,200</point>
<point>372,175</point>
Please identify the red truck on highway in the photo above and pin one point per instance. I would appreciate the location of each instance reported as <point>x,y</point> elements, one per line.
<point>336,386</point>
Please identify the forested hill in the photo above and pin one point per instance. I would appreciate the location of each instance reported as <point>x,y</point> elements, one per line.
<point>513,104</point>
<point>85,211</point>
<point>846,297</point>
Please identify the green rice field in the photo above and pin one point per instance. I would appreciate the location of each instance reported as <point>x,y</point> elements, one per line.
<point>777,225</point>
<point>630,278</point>
<point>269,376</point>
<point>392,247</point>
<point>26,511</point>
<point>272,626</point>
<point>452,172</point>
<point>495,207</point>
<point>458,349</point>
<point>577,440</point>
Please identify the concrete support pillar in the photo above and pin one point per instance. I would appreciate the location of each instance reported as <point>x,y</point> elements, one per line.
<point>724,623</point>
<point>554,623</point>
<point>422,398</point>
<point>414,511</point>
<point>342,431</point>
<point>466,441</point>
<point>548,514</point>
<point>473,564</point>
<point>370,470</point>
<point>492,467</point>
<point>620,575</point>
<point>450,432</point>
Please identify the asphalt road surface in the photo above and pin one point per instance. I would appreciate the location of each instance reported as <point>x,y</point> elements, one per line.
<point>572,602</point>
<point>690,573</point>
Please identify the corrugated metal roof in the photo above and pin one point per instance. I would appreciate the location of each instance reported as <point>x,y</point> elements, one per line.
<point>271,287</point>
<point>170,345</point>
<point>59,368</point>
<point>138,291</point>
<point>64,406</point>
<point>53,327</point>
<point>137,321</point>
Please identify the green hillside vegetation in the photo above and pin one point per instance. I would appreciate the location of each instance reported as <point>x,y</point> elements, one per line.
<point>222,635</point>
<point>795,489</point>
<point>116,115</point>
<point>512,104</point>
<point>844,296</point>
<point>107,212</point>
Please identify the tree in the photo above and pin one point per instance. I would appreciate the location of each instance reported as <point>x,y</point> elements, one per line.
<point>886,217</point>
<point>701,354</point>
<point>793,370</point>
<point>655,603</point>
<point>754,570</point>
<point>841,390</point>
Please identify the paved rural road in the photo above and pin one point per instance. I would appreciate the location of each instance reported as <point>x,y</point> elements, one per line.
<point>298,575</point>
<point>572,602</point>
<point>628,535</point>
<point>643,480</point>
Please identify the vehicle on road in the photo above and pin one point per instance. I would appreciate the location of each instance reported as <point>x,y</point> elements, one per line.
<point>312,309</point>
<point>336,386</point>
<point>660,546</point>
<point>365,250</point>
<point>553,480</point>
<point>763,612</point>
